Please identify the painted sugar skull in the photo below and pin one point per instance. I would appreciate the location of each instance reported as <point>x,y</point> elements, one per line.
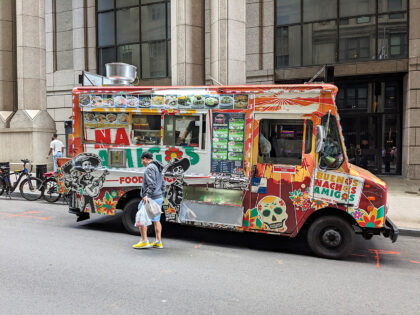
<point>272,211</point>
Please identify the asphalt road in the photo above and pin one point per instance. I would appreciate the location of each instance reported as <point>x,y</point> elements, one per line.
<point>49,264</point>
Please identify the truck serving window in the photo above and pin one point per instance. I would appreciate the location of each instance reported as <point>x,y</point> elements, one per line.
<point>332,155</point>
<point>146,129</point>
<point>185,131</point>
<point>280,141</point>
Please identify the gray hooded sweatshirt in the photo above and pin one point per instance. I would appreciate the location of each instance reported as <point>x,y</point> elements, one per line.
<point>153,182</point>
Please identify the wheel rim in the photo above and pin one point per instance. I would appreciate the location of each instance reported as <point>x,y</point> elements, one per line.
<point>331,237</point>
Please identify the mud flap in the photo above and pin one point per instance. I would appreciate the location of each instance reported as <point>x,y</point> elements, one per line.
<point>390,230</point>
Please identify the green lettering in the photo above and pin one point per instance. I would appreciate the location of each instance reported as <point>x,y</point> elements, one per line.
<point>325,191</point>
<point>194,156</point>
<point>351,197</point>
<point>316,190</point>
<point>103,154</point>
<point>139,153</point>
<point>129,158</point>
<point>337,194</point>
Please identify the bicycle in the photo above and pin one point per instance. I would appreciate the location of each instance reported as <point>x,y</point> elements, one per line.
<point>28,187</point>
<point>49,187</point>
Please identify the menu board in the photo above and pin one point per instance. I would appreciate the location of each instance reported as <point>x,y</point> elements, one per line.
<point>227,155</point>
<point>173,101</point>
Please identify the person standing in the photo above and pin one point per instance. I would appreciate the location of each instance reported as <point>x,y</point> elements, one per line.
<point>56,148</point>
<point>153,188</point>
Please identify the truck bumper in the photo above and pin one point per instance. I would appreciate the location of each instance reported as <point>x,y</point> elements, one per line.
<point>390,230</point>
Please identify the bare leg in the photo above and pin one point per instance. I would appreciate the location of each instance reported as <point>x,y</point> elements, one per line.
<point>143,233</point>
<point>158,231</point>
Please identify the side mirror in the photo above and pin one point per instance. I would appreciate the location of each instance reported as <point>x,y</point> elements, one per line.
<point>319,138</point>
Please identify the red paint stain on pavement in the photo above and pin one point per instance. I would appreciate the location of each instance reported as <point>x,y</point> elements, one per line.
<point>26,215</point>
<point>415,262</point>
<point>380,251</point>
<point>198,246</point>
<point>358,255</point>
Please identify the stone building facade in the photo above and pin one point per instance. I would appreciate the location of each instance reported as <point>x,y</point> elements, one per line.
<point>46,44</point>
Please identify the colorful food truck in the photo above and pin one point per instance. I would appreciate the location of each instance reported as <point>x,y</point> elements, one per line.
<point>266,159</point>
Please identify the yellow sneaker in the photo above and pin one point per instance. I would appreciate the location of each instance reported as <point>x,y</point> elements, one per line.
<point>142,244</point>
<point>156,245</point>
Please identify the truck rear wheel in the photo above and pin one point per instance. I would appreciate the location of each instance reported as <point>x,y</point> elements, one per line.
<point>129,218</point>
<point>331,237</point>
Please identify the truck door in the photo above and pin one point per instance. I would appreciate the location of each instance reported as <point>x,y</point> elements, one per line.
<point>280,177</point>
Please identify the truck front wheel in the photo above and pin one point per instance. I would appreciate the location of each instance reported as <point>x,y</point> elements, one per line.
<point>331,237</point>
<point>129,218</point>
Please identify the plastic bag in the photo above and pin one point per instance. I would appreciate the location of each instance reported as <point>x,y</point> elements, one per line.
<point>142,219</point>
<point>152,208</point>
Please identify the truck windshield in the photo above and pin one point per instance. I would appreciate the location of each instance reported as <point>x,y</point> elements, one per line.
<point>332,155</point>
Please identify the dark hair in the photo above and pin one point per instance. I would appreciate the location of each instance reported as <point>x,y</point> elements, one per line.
<point>147,155</point>
<point>55,135</point>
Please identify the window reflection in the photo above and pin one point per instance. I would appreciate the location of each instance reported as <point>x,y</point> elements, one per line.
<point>307,32</point>
<point>319,42</point>
<point>357,38</point>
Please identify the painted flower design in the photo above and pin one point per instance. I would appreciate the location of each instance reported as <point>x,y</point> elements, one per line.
<point>173,153</point>
<point>296,197</point>
<point>319,204</point>
<point>306,204</point>
<point>345,196</point>
<point>121,193</point>
<point>114,194</point>
<point>108,206</point>
<point>98,206</point>
<point>357,214</point>
<point>370,221</point>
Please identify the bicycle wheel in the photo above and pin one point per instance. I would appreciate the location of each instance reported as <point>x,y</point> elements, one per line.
<point>50,190</point>
<point>2,186</point>
<point>29,188</point>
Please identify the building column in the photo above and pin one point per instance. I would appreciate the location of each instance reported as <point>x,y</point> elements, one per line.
<point>31,127</point>
<point>228,41</point>
<point>7,61</point>
<point>187,41</point>
<point>411,131</point>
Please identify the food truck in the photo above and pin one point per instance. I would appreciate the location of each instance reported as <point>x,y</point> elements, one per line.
<point>252,158</point>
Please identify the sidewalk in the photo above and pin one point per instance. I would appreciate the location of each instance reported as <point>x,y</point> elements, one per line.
<point>404,203</point>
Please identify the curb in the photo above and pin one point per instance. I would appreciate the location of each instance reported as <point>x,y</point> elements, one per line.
<point>409,232</point>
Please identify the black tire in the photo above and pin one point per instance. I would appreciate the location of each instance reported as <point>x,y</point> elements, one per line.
<point>50,190</point>
<point>129,218</point>
<point>2,186</point>
<point>331,237</point>
<point>29,188</point>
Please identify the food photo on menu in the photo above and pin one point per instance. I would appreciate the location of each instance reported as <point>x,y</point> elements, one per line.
<point>226,102</point>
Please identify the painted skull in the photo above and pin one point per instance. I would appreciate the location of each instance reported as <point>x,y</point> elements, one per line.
<point>272,211</point>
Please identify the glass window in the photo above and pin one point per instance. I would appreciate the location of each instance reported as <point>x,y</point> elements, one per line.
<point>106,29</point>
<point>331,157</point>
<point>391,5</point>
<point>126,3</point>
<point>357,7</point>
<point>138,32</point>
<point>392,36</point>
<point>153,22</point>
<point>357,38</point>
<point>103,4</point>
<point>287,12</point>
<point>288,46</point>
<point>319,43</point>
<point>106,55</point>
<point>128,26</point>
<point>129,54</point>
<point>280,141</point>
<point>153,60</point>
<point>308,136</point>
<point>146,129</point>
<point>184,131</point>
<point>316,10</point>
